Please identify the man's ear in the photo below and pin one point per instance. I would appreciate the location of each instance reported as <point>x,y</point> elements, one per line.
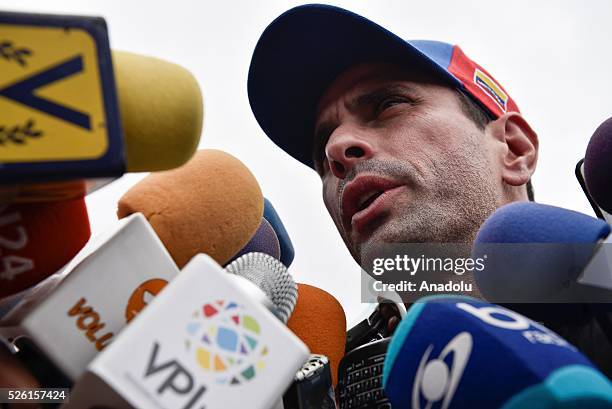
<point>520,147</point>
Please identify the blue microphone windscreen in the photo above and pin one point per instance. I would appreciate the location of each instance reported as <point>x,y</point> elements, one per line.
<point>286,247</point>
<point>459,352</point>
<point>598,166</point>
<point>532,252</point>
<point>529,222</point>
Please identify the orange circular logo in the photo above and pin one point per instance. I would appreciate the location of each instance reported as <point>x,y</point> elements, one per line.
<point>142,296</point>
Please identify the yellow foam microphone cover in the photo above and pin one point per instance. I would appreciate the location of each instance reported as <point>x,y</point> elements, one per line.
<point>212,205</point>
<point>319,321</point>
<point>161,111</point>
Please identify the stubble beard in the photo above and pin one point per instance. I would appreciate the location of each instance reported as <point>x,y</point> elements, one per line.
<point>451,210</point>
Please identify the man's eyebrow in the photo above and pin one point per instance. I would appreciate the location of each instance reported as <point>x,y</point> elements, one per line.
<point>366,99</point>
<point>374,96</point>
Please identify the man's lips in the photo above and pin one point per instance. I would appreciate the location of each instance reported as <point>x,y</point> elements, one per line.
<point>364,198</point>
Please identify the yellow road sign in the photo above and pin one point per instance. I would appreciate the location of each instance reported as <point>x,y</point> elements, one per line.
<point>53,101</point>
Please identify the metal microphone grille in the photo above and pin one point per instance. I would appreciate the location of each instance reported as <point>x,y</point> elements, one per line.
<point>271,276</point>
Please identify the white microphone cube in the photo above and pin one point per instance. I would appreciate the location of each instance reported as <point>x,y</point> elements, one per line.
<point>203,342</point>
<point>72,319</point>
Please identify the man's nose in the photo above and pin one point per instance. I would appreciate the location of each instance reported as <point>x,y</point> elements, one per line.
<point>345,148</point>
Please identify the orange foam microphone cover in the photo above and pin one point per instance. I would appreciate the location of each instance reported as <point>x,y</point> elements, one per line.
<point>37,239</point>
<point>212,204</point>
<point>319,321</point>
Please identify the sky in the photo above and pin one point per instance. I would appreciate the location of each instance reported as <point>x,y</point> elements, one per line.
<point>551,56</point>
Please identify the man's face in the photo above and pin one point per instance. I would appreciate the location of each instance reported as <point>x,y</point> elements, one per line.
<point>400,161</point>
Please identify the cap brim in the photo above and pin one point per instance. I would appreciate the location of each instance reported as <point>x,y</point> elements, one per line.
<point>298,56</point>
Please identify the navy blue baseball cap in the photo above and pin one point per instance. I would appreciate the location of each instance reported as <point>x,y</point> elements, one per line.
<point>304,49</point>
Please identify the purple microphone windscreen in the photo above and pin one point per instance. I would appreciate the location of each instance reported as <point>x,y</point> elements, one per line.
<point>533,251</point>
<point>263,241</point>
<point>598,166</point>
<point>286,247</point>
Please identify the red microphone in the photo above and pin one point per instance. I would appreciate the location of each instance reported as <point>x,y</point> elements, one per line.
<point>37,239</point>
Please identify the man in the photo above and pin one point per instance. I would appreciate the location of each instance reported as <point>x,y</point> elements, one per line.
<point>413,141</point>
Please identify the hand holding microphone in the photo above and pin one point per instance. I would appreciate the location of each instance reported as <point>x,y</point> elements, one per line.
<point>13,375</point>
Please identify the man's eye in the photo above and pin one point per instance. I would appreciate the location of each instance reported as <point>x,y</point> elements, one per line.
<point>389,102</point>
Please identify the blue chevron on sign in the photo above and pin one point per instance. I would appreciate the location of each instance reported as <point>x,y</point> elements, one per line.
<point>23,91</point>
<point>59,106</point>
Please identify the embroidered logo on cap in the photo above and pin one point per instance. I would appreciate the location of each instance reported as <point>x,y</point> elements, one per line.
<point>491,88</point>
